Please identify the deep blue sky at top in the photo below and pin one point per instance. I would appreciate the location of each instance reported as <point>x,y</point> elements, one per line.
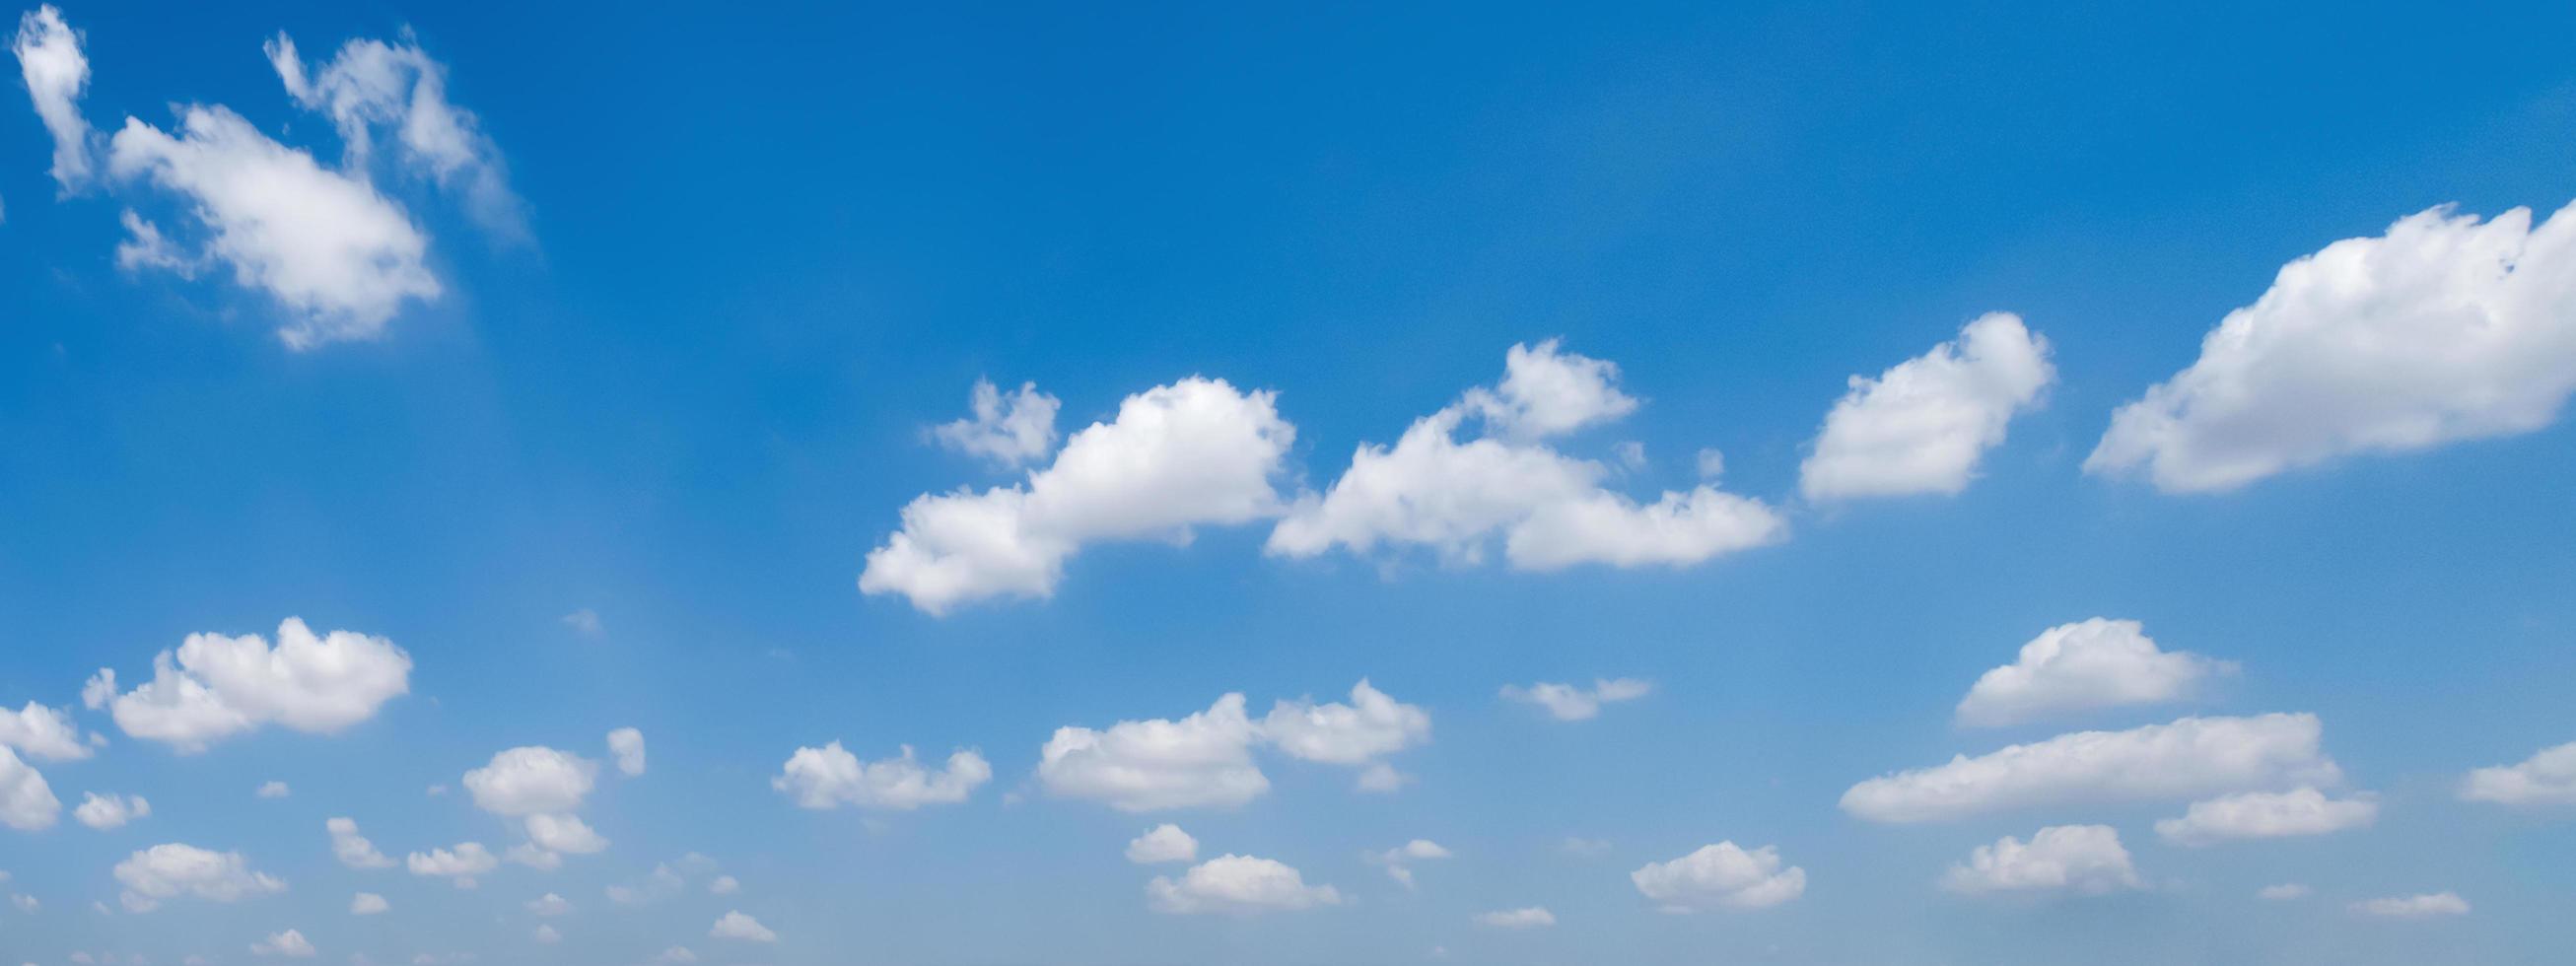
<point>770,245</point>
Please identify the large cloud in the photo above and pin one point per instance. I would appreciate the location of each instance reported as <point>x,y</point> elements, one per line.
<point>1549,510</point>
<point>2097,663</point>
<point>2548,777</point>
<point>172,870</point>
<point>829,777</point>
<point>1194,453</point>
<point>27,803</point>
<point>2188,758</point>
<point>1137,766</point>
<point>2260,815</point>
<point>215,686</point>
<point>1721,876</point>
<point>2085,859</point>
<point>1921,426</point>
<point>56,72</point>
<point>2444,329</point>
<point>1237,885</point>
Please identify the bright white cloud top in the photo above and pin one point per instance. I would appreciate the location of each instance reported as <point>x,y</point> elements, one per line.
<point>2081,859</point>
<point>2264,815</point>
<point>105,812</point>
<point>830,777</point>
<point>42,733</point>
<point>2085,666</point>
<point>27,801</point>
<point>214,687</point>
<point>174,870</point>
<point>1721,876</point>
<point>1550,511</point>
<point>1204,759</point>
<point>1568,702</point>
<point>1163,843</point>
<point>2548,777</point>
<point>462,865</point>
<point>1237,885</point>
<point>2444,329</point>
<point>1922,426</point>
<point>1195,453</point>
<point>2189,758</point>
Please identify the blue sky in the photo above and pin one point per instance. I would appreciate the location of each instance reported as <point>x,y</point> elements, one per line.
<point>559,371</point>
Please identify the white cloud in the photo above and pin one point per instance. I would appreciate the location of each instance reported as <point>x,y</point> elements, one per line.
<point>663,883</point>
<point>1550,511</point>
<point>368,904</point>
<point>549,905</point>
<point>2444,329</point>
<point>2429,906</point>
<point>829,777</point>
<point>50,59</point>
<point>585,622</point>
<point>1568,702</point>
<point>373,86</point>
<point>1921,426</point>
<point>352,849</point>
<point>626,745</point>
<point>172,870</point>
<point>1721,876</point>
<point>1163,843</point>
<point>2258,815</point>
<point>532,780</point>
<point>1371,726</point>
<point>1399,860</point>
<point>27,803</point>
<point>1381,778</point>
<point>2188,758</point>
<point>273,789</point>
<point>42,733</point>
<point>2090,664</point>
<point>1204,759</point>
<point>2283,892</point>
<point>735,925</point>
<point>1237,885</point>
<point>215,686</point>
<point>1009,430</point>
<point>460,865</point>
<point>2084,859</point>
<point>2548,777</point>
<point>547,934</point>
<point>724,885</point>
<point>110,811</point>
<point>1529,918</point>
<point>563,833</point>
<point>1194,453</point>
<point>339,256</point>
<point>289,943</point>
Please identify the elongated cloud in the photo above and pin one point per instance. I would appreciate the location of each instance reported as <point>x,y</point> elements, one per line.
<point>829,777</point>
<point>2084,859</point>
<point>1922,426</point>
<point>56,72</point>
<point>214,687</point>
<point>1721,876</point>
<point>1567,702</point>
<point>2548,777</point>
<point>2092,664</point>
<point>1195,453</point>
<point>1204,759</point>
<point>1237,885</point>
<point>27,802</point>
<point>174,870</point>
<point>2444,329</point>
<point>2263,815</point>
<point>43,733</point>
<point>2189,758</point>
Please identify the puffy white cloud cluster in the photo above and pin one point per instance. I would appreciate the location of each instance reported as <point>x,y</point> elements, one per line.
<point>27,802</point>
<point>1194,453</point>
<point>110,811</point>
<point>1922,426</point>
<point>2263,815</point>
<point>2548,777</point>
<point>542,787</point>
<point>2087,665</point>
<point>173,870</point>
<point>1721,876</point>
<point>829,777</point>
<point>1206,759</point>
<point>1162,843</point>
<point>1011,429</point>
<point>1569,702</point>
<point>2083,859</point>
<point>1550,511</point>
<point>462,865</point>
<point>42,733</point>
<point>2188,758</point>
<point>214,687</point>
<point>2445,328</point>
<point>626,745</point>
<point>1237,885</point>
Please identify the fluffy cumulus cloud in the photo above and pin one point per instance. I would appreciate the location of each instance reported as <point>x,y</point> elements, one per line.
<point>1237,885</point>
<point>352,849</point>
<point>1372,726</point>
<point>2189,758</point>
<point>27,802</point>
<point>214,686</point>
<point>290,944</point>
<point>2263,815</point>
<point>461,865</point>
<point>374,88</point>
<point>1455,497</point>
<point>626,745</point>
<point>2433,905</point>
<point>42,733</point>
<point>1162,843</point>
<point>2445,328</point>
<point>1198,452</point>
<point>1012,429</point>
<point>2091,664</point>
<point>1204,759</point>
<point>1921,426</point>
<point>2546,778</point>
<point>173,870</point>
<point>563,834</point>
<point>1721,876</point>
<point>110,811</point>
<point>735,925</point>
<point>1570,702</point>
<point>1529,918</point>
<point>56,72</point>
<point>368,904</point>
<point>532,780</point>
<point>829,777</point>
<point>2083,859</point>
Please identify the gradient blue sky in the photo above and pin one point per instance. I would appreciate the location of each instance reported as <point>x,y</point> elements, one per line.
<point>759,253</point>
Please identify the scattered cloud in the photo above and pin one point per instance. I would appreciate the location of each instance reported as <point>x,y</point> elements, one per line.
<point>1399,861</point>
<point>1009,430</point>
<point>110,811</point>
<point>2261,815</point>
<point>2430,906</point>
<point>2548,777</point>
<point>549,905</point>
<point>27,803</point>
<point>290,943</point>
<point>1568,702</point>
<point>1529,918</point>
<point>2283,892</point>
<point>1163,843</point>
<point>586,623</point>
<point>57,72</point>
<point>42,733</point>
<point>2084,666</point>
<point>626,745</point>
<point>829,777</point>
<point>1204,759</point>
<point>1922,426</point>
<point>214,687</point>
<point>368,904</point>
<point>1721,876</point>
<point>2082,859</point>
<point>1371,726</point>
<point>461,865</point>
<point>1237,885</point>
<point>735,925</point>
<point>372,87</point>
<point>2188,758</point>
<point>173,870</point>
<point>273,789</point>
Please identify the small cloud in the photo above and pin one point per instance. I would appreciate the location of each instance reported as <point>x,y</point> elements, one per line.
<point>585,622</point>
<point>273,790</point>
